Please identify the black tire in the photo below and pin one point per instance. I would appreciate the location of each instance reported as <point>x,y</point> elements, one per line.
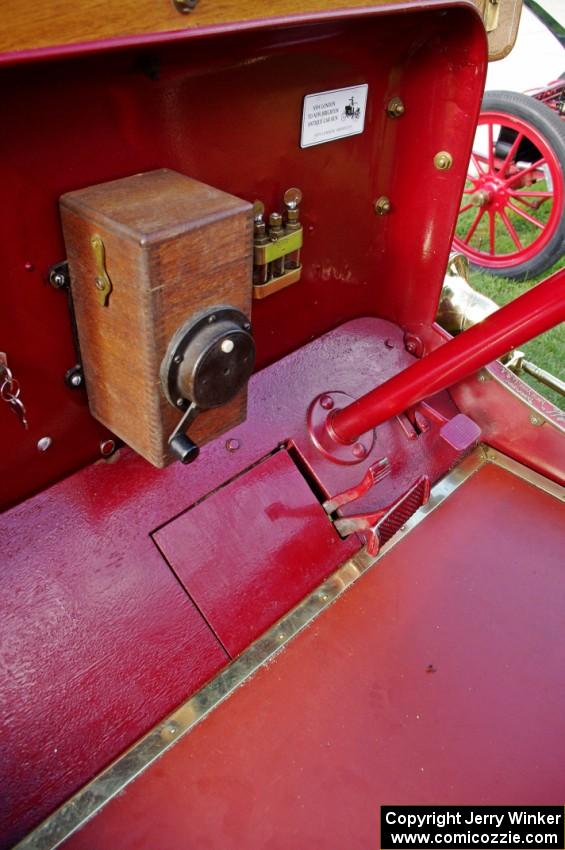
<point>552,129</point>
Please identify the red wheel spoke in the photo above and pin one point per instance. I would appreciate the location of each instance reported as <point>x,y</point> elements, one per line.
<point>524,171</point>
<point>511,153</point>
<point>510,229</point>
<point>477,164</point>
<point>465,208</point>
<point>491,232</point>
<point>528,194</point>
<point>473,226</point>
<point>525,215</point>
<point>490,148</point>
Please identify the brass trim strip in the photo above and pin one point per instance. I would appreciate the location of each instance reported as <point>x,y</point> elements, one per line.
<point>516,468</point>
<point>76,811</point>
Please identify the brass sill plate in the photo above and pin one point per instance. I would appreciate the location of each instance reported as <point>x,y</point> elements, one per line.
<point>76,811</point>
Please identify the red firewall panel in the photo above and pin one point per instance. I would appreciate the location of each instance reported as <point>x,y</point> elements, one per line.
<point>253,549</point>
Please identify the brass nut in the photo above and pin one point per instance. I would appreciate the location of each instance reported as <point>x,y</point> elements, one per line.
<point>382,205</point>
<point>395,108</point>
<point>443,161</point>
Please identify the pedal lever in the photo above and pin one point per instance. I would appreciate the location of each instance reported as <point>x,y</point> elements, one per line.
<point>380,526</point>
<point>375,473</point>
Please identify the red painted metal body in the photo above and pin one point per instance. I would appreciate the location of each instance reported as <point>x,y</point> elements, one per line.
<point>125,587</point>
<point>121,641</point>
<point>531,314</point>
<point>208,112</point>
<point>253,549</point>
<point>434,680</point>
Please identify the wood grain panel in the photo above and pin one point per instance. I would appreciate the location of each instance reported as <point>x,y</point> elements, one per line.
<point>92,21</point>
<point>174,246</point>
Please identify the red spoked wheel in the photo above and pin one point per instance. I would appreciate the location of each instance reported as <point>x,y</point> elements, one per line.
<point>512,216</point>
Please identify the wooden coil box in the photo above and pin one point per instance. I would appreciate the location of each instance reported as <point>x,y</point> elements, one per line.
<point>173,246</point>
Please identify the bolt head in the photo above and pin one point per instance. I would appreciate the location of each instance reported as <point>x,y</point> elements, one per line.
<point>443,161</point>
<point>382,205</point>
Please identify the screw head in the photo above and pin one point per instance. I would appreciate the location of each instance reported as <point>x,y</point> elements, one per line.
<point>359,450</point>
<point>382,205</point>
<point>43,444</point>
<point>327,402</point>
<point>180,402</point>
<point>411,346</point>
<point>232,445</point>
<point>443,161</point>
<point>211,318</point>
<point>76,380</point>
<point>536,420</point>
<point>227,346</point>
<point>177,359</point>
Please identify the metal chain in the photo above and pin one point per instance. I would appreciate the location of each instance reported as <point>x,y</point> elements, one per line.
<point>10,390</point>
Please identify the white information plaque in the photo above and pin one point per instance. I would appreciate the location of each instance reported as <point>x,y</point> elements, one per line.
<point>331,115</point>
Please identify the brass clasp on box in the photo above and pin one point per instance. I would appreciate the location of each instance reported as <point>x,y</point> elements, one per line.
<point>102,281</point>
<point>276,247</point>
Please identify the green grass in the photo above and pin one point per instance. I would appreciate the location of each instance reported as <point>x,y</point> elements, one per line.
<point>547,350</point>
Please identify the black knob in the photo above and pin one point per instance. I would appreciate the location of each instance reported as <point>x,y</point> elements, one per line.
<point>184,449</point>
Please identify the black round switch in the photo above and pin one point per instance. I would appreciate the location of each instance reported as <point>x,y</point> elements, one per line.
<point>209,360</point>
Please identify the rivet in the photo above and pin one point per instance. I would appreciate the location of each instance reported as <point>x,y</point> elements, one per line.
<point>327,402</point>
<point>227,346</point>
<point>177,359</point>
<point>443,161</point>
<point>395,108</point>
<point>211,318</point>
<point>107,447</point>
<point>382,205</point>
<point>100,284</point>
<point>76,380</point>
<point>43,444</point>
<point>232,445</point>
<point>180,402</point>
<point>359,450</point>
